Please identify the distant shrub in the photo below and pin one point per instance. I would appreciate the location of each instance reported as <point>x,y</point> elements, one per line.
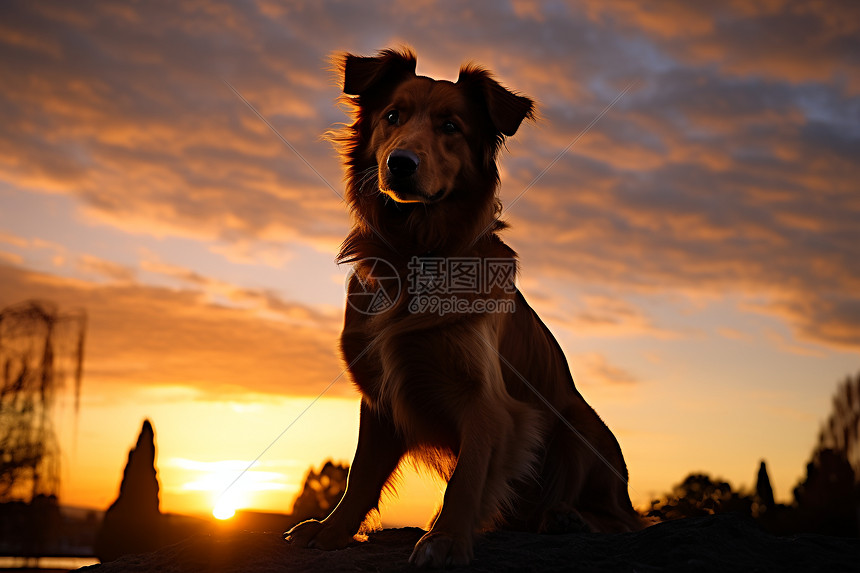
<point>697,495</point>
<point>321,492</point>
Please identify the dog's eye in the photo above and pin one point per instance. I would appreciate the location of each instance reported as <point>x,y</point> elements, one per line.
<point>450,127</point>
<point>392,117</point>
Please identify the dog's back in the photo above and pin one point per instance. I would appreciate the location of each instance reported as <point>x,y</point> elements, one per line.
<point>581,469</point>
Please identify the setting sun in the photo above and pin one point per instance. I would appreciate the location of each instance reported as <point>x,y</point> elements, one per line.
<point>223,510</point>
<point>230,484</point>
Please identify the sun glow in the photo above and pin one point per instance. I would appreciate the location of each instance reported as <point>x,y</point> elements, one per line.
<point>223,509</point>
<point>227,502</point>
<point>230,485</point>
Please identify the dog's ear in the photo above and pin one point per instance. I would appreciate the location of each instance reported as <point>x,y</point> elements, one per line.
<point>362,74</point>
<point>507,109</point>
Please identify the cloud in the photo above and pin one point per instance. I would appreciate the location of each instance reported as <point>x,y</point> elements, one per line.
<point>607,316</point>
<point>594,368</point>
<point>594,315</point>
<point>129,114</point>
<point>831,317</point>
<point>11,258</point>
<point>13,240</point>
<point>729,168</point>
<point>786,41</point>
<point>114,272</point>
<point>747,188</point>
<point>143,335</point>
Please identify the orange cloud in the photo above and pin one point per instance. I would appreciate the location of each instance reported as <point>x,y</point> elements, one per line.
<point>140,335</point>
<point>11,258</point>
<point>792,41</point>
<point>149,141</point>
<point>89,264</point>
<point>594,315</point>
<point>729,168</point>
<point>592,368</point>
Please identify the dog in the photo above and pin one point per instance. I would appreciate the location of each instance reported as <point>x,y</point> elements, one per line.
<point>479,391</point>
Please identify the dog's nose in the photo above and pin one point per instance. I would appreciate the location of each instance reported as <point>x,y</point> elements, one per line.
<point>402,163</point>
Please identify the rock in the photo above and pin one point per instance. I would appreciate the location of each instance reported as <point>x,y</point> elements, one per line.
<point>134,523</point>
<point>714,543</point>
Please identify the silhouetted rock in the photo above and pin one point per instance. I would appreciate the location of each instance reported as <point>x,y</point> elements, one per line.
<point>134,523</point>
<point>711,543</point>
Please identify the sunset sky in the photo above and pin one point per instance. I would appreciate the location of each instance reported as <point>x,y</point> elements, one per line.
<point>696,252</point>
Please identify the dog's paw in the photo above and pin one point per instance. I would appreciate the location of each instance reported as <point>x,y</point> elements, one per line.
<point>304,532</point>
<point>563,520</point>
<point>437,549</point>
<point>319,535</point>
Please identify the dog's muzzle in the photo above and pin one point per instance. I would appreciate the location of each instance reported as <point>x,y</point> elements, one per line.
<point>402,164</point>
<point>401,180</point>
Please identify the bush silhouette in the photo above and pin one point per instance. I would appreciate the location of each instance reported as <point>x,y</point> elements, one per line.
<point>321,493</point>
<point>697,495</point>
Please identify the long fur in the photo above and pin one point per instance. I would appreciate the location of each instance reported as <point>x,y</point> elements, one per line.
<point>455,391</point>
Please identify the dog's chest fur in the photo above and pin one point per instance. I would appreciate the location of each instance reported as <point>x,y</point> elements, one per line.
<point>423,369</point>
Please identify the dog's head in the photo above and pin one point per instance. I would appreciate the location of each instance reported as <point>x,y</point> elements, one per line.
<point>416,140</point>
<point>427,136</point>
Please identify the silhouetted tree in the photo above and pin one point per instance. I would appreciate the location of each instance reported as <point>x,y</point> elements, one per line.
<point>827,500</point>
<point>763,492</point>
<point>38,348</point>
<point>321,492</point>
<point>840,432</point>
<point>134,523</point>
<point>763,489</point>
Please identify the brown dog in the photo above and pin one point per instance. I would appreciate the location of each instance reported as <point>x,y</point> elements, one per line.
<point>470,382</point>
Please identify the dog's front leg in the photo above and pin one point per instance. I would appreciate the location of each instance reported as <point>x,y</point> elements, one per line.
<point>376,457</point>
<point>449,541</point>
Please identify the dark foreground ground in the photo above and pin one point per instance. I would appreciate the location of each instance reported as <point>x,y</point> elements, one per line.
<point>715,543</point>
